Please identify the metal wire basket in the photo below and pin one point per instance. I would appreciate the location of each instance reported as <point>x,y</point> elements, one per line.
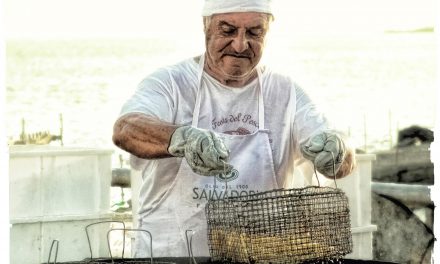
<point>280,226</point>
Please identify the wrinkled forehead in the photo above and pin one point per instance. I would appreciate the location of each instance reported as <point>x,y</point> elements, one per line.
<point>246,19</point>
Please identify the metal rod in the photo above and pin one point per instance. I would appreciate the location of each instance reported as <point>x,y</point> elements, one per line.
<point>101,222</point>
<point>334,169</point>
<point>226,179</point>
<point>316,174</point>
<point>56,251</point>
<point>123,247</point>
<point>192,260</point>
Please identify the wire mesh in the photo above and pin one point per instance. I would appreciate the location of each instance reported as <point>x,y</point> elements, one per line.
<point>280,226</point>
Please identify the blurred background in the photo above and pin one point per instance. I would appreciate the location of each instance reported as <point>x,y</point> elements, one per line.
<point>370,65</point>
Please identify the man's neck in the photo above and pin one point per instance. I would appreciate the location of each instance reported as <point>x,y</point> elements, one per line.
<point>236,82</point>
<point>232,81</point>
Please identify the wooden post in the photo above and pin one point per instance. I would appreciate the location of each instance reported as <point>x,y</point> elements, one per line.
<point>365,133</point>
<point>23,130</point>
<point>61,129</point>
<point>390,132</point>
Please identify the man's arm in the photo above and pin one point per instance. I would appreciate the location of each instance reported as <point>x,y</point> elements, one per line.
<point>150,138</point>
<point>309,120</point>
<point>143,136</point>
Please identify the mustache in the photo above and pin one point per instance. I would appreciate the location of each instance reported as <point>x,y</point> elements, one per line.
<point>245,54</point>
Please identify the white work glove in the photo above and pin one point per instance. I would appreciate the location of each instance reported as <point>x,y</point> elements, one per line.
<point>323,150</point>
<point>204,151</point>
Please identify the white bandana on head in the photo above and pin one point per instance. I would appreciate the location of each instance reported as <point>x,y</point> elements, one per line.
<point>231,6</point>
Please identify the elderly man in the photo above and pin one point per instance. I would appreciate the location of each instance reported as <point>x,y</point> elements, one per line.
<point>217,119</point>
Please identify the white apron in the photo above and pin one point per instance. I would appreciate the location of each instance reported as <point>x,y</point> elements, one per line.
<point>183,206</point>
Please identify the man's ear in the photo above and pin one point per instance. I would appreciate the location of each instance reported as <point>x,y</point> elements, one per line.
<point>206,23</point>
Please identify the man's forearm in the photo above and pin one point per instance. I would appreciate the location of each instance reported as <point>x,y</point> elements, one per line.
<point>347,165</point>
<point>143,136</point>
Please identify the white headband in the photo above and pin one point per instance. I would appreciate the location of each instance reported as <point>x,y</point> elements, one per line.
<point>231,6</point>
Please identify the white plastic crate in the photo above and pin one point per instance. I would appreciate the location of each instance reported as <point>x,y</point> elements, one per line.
<point>357,187</point>
<point>30,240</point>
<point>362,242</point>
<point>52,180</point>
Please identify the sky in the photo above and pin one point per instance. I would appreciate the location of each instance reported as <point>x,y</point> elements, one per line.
<point>117,18</point>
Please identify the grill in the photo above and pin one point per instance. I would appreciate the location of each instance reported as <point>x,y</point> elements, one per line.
<point>280,226</point>
<point>91,260</point>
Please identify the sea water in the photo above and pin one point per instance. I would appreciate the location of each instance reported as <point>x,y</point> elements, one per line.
<point>369,86</point>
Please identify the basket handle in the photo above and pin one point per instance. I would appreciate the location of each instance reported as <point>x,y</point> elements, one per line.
<point>101,222</point>
<point>334,170</point>
<point>56,251</point>
<point>215,186</point>
<point>123,247</point>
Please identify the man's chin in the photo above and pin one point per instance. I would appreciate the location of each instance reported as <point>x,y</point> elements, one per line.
<point>236,71</point>
<point>237,75</point>
<point>232,61</point>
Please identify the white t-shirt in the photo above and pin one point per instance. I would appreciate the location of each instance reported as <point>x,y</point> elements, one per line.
<point>170,93</point>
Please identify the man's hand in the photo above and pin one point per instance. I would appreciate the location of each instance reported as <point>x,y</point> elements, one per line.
<point>325,150</point>
<point>204,151</point>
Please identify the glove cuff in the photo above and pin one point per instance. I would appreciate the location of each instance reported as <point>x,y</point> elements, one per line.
<point>177,143</point>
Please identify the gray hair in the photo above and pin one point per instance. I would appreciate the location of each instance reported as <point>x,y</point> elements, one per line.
<point>206,23</point>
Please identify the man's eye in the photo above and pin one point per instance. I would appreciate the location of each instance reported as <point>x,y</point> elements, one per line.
<point>257,32</point>
<point>228,30</point>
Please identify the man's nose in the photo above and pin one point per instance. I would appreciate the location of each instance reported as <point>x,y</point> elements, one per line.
<point>240,43</point>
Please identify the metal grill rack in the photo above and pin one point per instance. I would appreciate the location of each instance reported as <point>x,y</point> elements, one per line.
<point>122,260</point>
<point>280,226</point>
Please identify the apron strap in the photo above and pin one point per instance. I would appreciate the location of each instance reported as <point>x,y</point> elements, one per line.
<point>196,113</point>
<point>261,125</point>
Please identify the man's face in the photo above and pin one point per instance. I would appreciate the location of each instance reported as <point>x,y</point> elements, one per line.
<point>234,43</point>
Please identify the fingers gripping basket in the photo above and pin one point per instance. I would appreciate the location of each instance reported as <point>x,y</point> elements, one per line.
<point>280,226</point>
